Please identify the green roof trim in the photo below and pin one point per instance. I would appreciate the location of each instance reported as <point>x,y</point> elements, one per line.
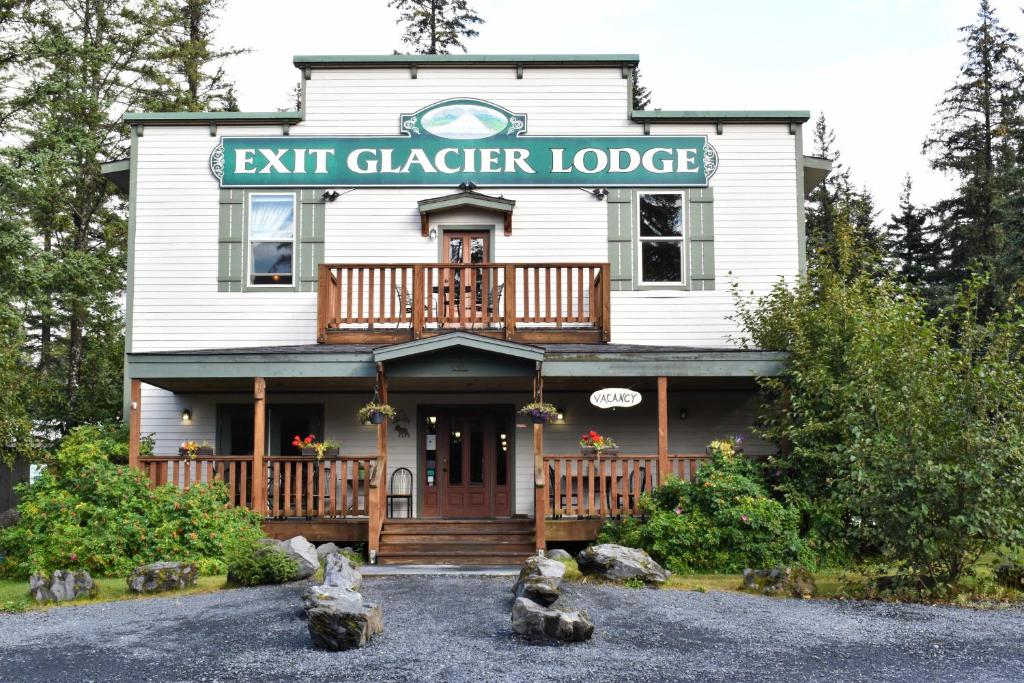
<point>336,61</point>
<point>463,199</point>
<point>747,115</point>
<point>460,340</point>
<point>201,117</point>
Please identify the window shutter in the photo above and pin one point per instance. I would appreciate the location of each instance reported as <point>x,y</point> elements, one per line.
<point>620,238</point>
<point>701,223</point>
<point>311,238</point>
<point>231,238</point>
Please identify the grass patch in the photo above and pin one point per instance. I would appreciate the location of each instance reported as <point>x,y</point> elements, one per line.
<point>830,584</point>
<point>14,596</point>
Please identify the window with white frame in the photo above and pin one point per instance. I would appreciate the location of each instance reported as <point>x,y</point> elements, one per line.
<point>271,239</point>
<point>661,238</point>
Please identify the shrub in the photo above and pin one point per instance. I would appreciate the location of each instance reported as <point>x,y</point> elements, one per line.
<point>104,518</point>
<point>255,564</point>
<point>723,521</point>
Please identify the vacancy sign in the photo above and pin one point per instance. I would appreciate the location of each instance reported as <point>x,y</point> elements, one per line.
<point>615,398</point>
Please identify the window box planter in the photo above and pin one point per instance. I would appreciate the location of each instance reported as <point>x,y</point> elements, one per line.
<point>591,452</point>
<point>332,452</point>
<point>202,451</point>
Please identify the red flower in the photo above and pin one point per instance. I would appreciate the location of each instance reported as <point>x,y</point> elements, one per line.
<point>593,434</point>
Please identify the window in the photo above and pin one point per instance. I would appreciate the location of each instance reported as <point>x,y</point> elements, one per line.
<point>271,239</point>
<point>661,238</point>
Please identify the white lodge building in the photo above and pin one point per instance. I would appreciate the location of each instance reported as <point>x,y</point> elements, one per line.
<point>456,236</point>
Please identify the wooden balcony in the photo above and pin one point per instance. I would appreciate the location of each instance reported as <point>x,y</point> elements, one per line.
<point>526,302</point>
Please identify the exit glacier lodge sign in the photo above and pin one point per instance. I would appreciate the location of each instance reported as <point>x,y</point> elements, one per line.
<point>459,140</point>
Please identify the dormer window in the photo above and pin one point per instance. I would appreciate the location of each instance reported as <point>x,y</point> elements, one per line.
<point>271,239</point>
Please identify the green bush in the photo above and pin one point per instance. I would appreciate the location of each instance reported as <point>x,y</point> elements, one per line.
<point>724,521</point>
<point>104,518</point>
<point>255,564</point>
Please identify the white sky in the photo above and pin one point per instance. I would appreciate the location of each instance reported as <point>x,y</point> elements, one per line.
<point>875,67</point>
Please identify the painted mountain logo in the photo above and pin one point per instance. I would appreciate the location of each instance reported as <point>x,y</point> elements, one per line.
<point>463,119</point>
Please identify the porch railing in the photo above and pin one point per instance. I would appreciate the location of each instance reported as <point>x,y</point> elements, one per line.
<point>332,488</point>
<point>588,486</point>
<point>526,301</point>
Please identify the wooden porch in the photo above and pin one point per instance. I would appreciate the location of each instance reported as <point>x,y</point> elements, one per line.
<point>526,302</point>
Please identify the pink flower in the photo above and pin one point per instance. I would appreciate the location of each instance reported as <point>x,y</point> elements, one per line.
<point>74,557</point>
<point>745,519</point>
<point>678,510</point>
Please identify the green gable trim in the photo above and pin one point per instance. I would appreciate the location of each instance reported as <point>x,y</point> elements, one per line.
<point>206,117</point>
<point>550,60</point>
<point>460,340</point>
<point>712,115</point>
<point>466,199</point>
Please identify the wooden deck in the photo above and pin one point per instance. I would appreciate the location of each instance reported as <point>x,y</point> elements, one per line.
<point>527,302</point>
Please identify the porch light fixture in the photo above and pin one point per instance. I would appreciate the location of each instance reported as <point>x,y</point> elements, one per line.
<point>458,435</point>
<point>432,419</point>
<point>433,233</point>
<point>682,413</point>
<point>330,195</point>
<point>186,415</point>
<point>598,193</point>
<point>467,186</point>
<point>559,417</point>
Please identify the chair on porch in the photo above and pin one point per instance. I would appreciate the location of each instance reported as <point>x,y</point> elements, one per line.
<point>401,489</point>
<point>492,303</point>
<point>633,494</point>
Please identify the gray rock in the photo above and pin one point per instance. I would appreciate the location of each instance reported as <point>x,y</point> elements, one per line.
<point>558,554</point>
<point>162,576</point>
<point>331,596</point>
<point>325,549</point>
<point>619,563</point>
<point>794,581</point>
<point>536,622</point>
<point>543,590</point>
<point>304,554</point>
<point>61,586</point>
<point>9,517</point>
<point>339,572</point>
<point>336,628</point>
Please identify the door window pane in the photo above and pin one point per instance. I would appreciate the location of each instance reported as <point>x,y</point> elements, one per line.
<point>501,457</point>
<point>476,454</point>
<point>476,253</point>
<point>455,249</point>
<point>454,456</point>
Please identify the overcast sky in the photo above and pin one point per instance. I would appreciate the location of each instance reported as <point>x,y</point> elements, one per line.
<point>876,68</point>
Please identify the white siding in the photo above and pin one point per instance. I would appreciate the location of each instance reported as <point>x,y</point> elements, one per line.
<point>710,415</point>
<point>176,303</point>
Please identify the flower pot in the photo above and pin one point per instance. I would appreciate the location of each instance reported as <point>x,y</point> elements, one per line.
<point>377,418</point>
<point>591,452</point>
<point>202,451</point>
<point>541,419</point>
<point>613,451</point>
<point>328,452</point>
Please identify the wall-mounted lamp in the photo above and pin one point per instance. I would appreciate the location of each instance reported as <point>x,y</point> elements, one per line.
<point>467,186</point>
<point>458,435</point>
<point>330,195</point>
<point>682,413</point>
<point>432,419</point>
<point>559,417</point>
<point>186,416</point>
<point>598,193</point>
<point>433,233</point>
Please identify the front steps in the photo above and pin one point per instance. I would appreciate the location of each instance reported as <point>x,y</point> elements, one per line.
<point>456,541</point>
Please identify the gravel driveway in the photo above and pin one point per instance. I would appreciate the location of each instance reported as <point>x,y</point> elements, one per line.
<point>457,628</point>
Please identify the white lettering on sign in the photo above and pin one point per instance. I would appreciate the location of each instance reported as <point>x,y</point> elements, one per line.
<point>615,398</point>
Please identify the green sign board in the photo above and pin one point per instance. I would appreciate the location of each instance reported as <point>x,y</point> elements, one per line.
<point>460,140</point>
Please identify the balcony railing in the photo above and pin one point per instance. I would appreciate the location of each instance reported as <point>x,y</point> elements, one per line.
<point>529,302</point>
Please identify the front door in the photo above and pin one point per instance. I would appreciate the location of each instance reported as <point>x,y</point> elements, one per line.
<point>467,469</point>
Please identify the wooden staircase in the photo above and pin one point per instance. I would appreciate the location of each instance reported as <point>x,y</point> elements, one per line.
<point>456,541</point>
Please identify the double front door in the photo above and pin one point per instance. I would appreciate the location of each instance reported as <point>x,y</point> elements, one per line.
<point>466,468</point>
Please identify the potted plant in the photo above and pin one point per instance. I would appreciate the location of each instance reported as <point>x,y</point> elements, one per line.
<point>376,413</point>
<point>593,443</point>
<point>540,413</point>
<point>321,449</point>
<point>192,450</point>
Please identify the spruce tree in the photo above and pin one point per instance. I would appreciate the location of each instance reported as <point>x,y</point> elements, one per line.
<point>835,199</point>
<point>911,247</point>
<point>188,71</point>
<point>435,27</point>
<point>641,93</point>
<point>976,138</point>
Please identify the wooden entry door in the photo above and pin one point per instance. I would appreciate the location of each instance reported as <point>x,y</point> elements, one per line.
<point>472,456</point>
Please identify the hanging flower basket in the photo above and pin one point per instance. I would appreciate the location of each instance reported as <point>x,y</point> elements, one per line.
<point>539,413</point>
<point>376,413</point>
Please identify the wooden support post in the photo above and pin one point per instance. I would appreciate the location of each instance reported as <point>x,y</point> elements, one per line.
<point>510,300</point>
<point>376,499</point>
<point>134,423</point>
<point>539,488</point>
<point>259,446</point>
<point>419,301</point>
<point>663,464</point>
<point>606,302</point>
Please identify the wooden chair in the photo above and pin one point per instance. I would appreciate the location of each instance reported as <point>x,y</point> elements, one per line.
<point>401,489</point>
<point>492,303</point>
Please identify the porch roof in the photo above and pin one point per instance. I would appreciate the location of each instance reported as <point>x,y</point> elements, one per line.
<point>458,340</point>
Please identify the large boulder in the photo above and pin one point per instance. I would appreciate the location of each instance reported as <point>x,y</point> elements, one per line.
<point>339,572</point>
<point>61,586</point>
<point>304,554</point>
<point>331,596</point>
<point>162,576</point>
<point>342,627</point>
<point>536,622</point>
<point>325,549</point>
<point>559,555</point>
<point>620,563</point>
<point>794,581</point>
<point>540,589</point>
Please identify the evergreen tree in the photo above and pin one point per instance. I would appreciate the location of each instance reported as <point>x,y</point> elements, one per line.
<point>188,68</point>
<point>909,243</point>
<point>641,93</point>
<point>837,198</point>
<point>976,138</point>
<point>434,27</point>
